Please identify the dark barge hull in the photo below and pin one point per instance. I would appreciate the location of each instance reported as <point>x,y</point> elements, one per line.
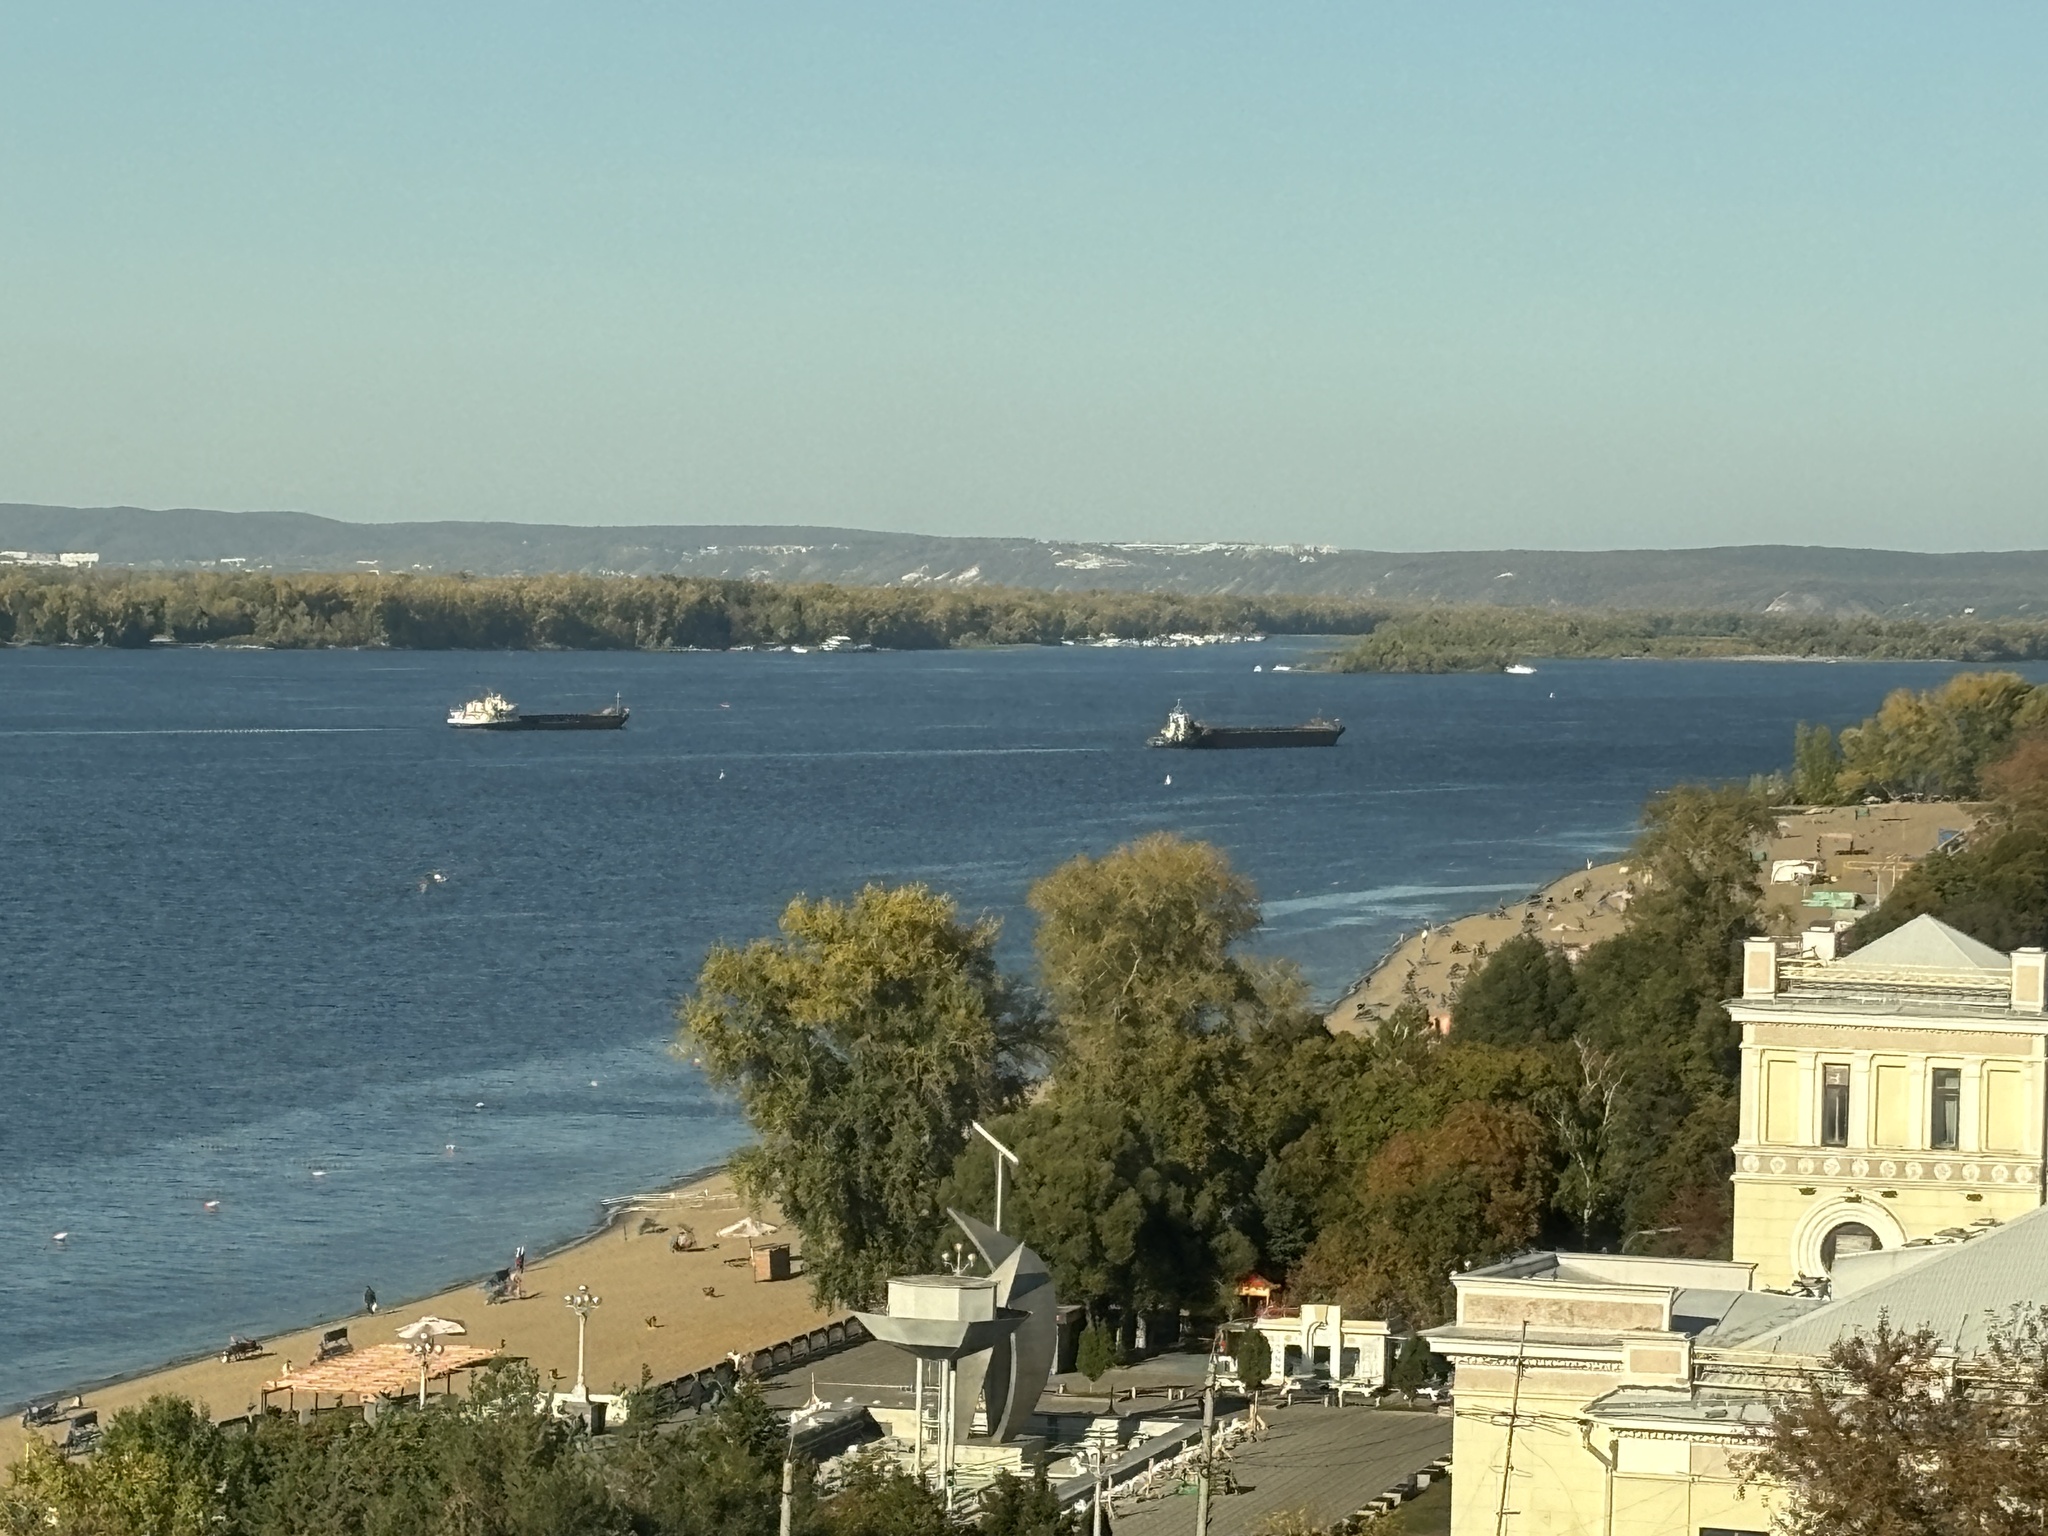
<point>597,720</point>
<point>1260,736</point>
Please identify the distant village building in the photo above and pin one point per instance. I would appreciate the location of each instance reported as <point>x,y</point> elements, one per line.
<point>73,558</point>
<point>1889,1164</point>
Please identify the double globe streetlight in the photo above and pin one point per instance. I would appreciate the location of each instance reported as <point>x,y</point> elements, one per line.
<point>582,1303</point>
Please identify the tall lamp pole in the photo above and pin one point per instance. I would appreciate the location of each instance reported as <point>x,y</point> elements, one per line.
<point>1003,1155</point>
<point>582,1304</point>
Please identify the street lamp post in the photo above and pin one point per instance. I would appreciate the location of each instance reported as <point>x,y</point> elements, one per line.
<point>582,1304</point>
<point>425,1348</point>
<point>1003,1155</point>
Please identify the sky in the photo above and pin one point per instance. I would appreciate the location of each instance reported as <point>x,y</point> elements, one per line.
<point>1402,277</point>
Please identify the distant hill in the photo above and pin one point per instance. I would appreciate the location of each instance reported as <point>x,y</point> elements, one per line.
<point>1747,578</point>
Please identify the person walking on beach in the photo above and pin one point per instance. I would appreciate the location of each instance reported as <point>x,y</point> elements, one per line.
<point>369,1301</point>
<point>518,1286</point>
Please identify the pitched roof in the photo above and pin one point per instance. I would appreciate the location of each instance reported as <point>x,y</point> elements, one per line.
<point>1926,943</point>
<point>1957,1292</point>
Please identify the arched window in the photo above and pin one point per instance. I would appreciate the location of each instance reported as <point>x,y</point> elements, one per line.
<point>1849,1237</point>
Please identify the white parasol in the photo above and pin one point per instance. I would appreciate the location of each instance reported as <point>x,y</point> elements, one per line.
<point>430,1328</point>
<point>747,1227</point>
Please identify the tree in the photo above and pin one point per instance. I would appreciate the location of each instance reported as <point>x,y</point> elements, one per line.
<point>878,1498</point>
<point>1010,1506</point>
<point>1816,765</point>
<point>860,1046</point>
<point>1253,1358</point>
<point>1520,994</point>
<point>1413,1366</point>
<point>1583,1117</point>
<point>1139,1160</point>
<point>1469,1190</point>
<point>1894,1437</point>
<point>1096,1352</point>
<point>1935,744</point>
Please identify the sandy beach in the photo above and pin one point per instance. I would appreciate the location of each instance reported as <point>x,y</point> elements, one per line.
<point>658,1310</point>
<point>1853,855</point>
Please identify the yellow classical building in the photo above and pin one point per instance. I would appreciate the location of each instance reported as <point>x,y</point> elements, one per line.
<point>1891,1095</point>
<point>1889,1164</point>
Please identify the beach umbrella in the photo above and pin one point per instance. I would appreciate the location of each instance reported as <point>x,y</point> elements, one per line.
<point>428,1328</point>
<point>747,1227</point>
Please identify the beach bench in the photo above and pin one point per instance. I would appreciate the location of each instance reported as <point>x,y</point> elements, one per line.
<point>334,1342</point>
<point>84,1432</point>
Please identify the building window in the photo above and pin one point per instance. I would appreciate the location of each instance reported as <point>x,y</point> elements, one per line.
<point>1849,1237</point>
<point>1834,1105</point>
<point>1948,1108</point>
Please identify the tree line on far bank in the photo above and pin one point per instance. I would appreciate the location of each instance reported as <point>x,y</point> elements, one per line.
<point>1486,638</point>
<point>49,606</point>
<point>1181,1114</point>
<point>407,612</point>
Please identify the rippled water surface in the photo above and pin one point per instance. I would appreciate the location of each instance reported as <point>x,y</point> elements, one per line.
<point>225,962</point>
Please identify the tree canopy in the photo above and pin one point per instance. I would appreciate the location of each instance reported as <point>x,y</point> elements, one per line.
<point>860,1044</point>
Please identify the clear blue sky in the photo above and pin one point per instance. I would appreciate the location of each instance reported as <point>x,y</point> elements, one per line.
<point>1413,277</point>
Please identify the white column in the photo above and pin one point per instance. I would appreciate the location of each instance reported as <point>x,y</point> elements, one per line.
<point>1861,1107</point>
<point>1809,1098</point>
<point>1972,1137</point>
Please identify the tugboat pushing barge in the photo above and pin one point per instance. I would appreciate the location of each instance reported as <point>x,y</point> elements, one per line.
<point>495,712</point>
<point>1184,730</point>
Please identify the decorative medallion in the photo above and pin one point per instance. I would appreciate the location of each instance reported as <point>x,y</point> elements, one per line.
<point>1861,1167</point>
<point>1913,1170</point>
<point>1831,1167</point>
<point>1806,1165</point>
<point>2000,1174</point>
<point>1777,1165</point>
<point>1752,1163</point>
<point>1888,1168</point>
<point>1942,1170</point>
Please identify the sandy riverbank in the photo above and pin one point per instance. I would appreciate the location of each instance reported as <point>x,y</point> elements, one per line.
<point>656,1311</point>
<point>1857,853</point>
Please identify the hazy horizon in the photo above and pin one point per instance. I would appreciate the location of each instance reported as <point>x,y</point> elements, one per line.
<point>1477,277</point>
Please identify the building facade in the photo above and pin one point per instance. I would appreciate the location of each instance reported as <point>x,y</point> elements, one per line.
<point>1889,1165</point>
<point>1888,1096</point>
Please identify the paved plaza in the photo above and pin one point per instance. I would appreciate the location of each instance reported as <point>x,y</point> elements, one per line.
<point>1328,1461</point>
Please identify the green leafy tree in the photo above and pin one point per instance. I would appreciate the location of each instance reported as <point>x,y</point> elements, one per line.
<point>1521,994</point>
<point>1936,743</point>
<point>1096,1351</point>
<point>1895,1437</point>
<point>1816,765</point>
<point>877,1498</point>
<point>1138,1162</point>
<point>1253,1358</point>
<point>1471,1189</point>
<point>1012,1506</point>
<point>1413,1366</point>
<point>860,1045</point>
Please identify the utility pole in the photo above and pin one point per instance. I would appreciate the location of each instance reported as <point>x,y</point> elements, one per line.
<point>1208,1449</point>
<point>1507,1460</point>
<point>788,1478</point>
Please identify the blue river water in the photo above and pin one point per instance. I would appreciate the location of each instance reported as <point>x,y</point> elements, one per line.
<point>226,962</point>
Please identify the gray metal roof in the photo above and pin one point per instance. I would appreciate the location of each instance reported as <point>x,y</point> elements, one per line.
<point>1958,1293</point>
<point>1728,1319</point>
<point>1926,943</point>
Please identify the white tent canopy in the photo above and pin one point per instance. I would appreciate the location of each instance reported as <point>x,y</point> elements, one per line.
<point>747,1227</point>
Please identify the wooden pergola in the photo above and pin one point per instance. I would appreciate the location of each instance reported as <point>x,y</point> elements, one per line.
<point>376,1370</point>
